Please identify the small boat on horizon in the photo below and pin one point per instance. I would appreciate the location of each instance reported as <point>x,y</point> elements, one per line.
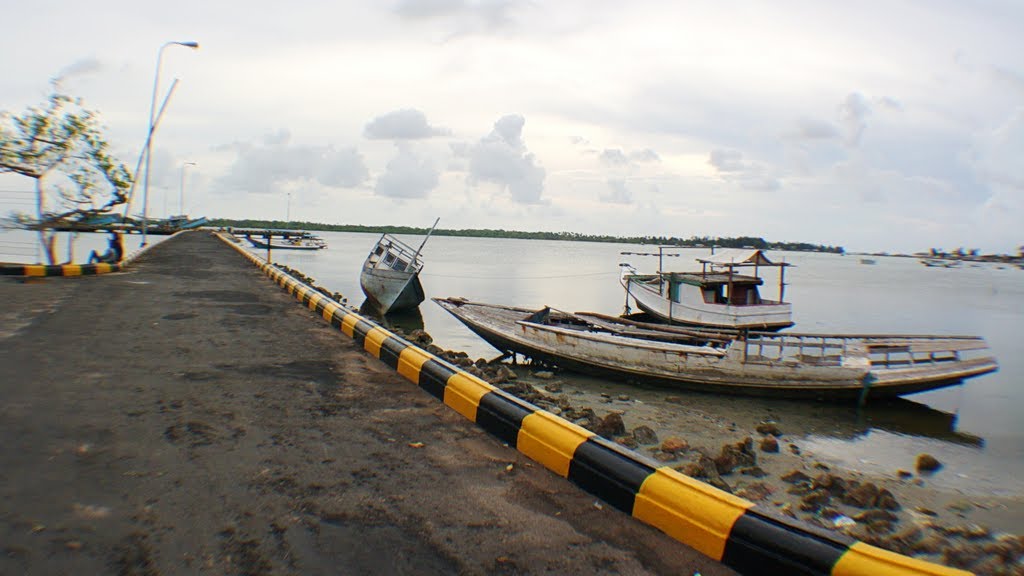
<point>810,366</point>
<point>715,297</point>
<point>390,275</point>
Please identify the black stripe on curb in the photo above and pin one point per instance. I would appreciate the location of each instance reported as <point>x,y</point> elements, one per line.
<point>759,543</point>
<point>722,526</point>
<point>601,468</point>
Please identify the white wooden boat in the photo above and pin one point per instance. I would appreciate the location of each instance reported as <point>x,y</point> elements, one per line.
<point>715,297</point>
<point>823,366</point>
<point>390,275</point>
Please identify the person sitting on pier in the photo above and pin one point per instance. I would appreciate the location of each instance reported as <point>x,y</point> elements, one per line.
<point>114,253</point>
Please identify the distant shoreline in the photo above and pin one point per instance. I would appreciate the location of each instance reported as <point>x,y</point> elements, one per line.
<point>693,242</point>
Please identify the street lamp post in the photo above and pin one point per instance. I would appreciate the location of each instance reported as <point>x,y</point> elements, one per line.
<point>181,190</point>
<point>149,133</point>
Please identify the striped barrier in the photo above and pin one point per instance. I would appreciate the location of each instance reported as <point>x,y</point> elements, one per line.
<point>732,530</point>
<point>43,270</point>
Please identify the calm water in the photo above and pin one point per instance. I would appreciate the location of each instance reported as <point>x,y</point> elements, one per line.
<point>977,429</point>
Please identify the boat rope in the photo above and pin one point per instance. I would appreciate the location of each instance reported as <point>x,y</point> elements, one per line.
<point>520,277</point>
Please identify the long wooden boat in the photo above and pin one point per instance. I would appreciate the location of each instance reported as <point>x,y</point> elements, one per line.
<point>716,296</point>
<point>295,241</point>
<point>390,277</point>
<point>823,366</point>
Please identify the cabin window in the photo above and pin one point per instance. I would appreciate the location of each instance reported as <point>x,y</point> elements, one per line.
<point>713,295</point>
<point>400,265</point>
<point>389,260</point>
<point>379,250</point>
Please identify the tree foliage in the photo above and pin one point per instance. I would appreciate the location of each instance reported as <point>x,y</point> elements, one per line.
<point>60,146</point>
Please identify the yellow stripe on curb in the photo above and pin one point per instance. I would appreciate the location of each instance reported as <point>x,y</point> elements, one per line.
<point>410,361</point>
<point>463,393</point>
<point>863,559</point>
<point>35,270</point>
<point>374,339</point>
<point>348,324</point>
<point>329,309</point>
<point>71,270</point>
<point>550,440</point>
<point>689,510</point>
<point>314,300</point>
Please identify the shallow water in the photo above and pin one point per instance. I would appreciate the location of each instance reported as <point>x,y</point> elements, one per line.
<point>976,429</point>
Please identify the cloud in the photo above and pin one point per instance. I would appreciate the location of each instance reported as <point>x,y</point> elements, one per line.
<point>645,155</point>
<point>407,124</point>
<point>501,158</point>
<point>407,176</point>
<point>263,167</point>
<point>811,129</point>
<point>618,194</point>
<point>853,113</point>
<point>83,67</point>
<point>614,157</point>
<point>468,15</point>
<point>732,168</point>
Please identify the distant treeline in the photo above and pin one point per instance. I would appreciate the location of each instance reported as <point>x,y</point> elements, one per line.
<point>695,241</point>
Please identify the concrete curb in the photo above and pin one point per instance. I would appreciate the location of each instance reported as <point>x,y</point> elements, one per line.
<point>732,530</point>
<point>41,270</point>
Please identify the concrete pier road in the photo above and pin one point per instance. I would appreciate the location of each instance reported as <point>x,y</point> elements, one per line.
<point>189,417</point>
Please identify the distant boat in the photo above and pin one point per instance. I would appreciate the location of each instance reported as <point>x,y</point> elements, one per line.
<point>868,261</point>
<point>715,297</point>
<point>826,366</point>
<point>289,241</point>
<point>940,263</point>
<point>390,275</point>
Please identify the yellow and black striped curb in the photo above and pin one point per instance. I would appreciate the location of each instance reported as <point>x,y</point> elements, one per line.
<point>41,270</point>
<point>734,531</point>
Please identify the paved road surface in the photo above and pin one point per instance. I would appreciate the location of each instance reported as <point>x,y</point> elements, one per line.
<point>189,417</point>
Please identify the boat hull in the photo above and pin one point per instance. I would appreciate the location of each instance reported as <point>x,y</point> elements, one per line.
<point>390,290</point>
<point>286,246</point>
<point>707,370</point>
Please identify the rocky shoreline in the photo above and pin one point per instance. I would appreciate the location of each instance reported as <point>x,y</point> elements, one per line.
<point>767,466</point>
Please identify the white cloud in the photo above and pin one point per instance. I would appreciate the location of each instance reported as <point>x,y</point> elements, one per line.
<point>265,167</point>
<point>501,158</point>
<point>407,124</point>
<point>618,193</point>
<point>407,176</point>
<point>614,157</point>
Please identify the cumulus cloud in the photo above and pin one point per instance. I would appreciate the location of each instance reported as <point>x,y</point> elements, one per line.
<point>645,155</point>
<point>812,129</point>
<point>407,176</point>
<point>733,168</point>
<point>618,193</point>
<point>501,158</point>
<point>407,124</point>
<point>263,167</point>
<point>853,114</point>
<point>614,157</point>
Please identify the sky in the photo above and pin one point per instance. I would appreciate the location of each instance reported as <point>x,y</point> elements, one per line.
<point>874,125</point>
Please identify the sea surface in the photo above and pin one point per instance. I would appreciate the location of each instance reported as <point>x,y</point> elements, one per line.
<point>976,430</point>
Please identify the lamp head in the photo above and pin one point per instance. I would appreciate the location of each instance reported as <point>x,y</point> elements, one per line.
<point>193,45</point>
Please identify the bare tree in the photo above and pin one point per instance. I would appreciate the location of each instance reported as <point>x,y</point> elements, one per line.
<point>61,147</point>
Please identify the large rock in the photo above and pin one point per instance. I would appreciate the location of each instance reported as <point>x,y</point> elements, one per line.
<point>673,444</point>
<point>927,463</point>
<point>769,444</point>
<point>796,477</point>
<point>755,492</point>
<point>768,428</point>
<point>835,485</point>
<point>611,425</point>
<point>734,455</point>
<point>861,495</point>
<point>645,435</point>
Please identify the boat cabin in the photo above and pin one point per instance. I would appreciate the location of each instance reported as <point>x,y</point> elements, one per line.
<point>715,288</point>
<point>393,254</point>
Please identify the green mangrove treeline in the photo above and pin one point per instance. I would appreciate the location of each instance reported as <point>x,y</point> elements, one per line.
<point>695,241</point>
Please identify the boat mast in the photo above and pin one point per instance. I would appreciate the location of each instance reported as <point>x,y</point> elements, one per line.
<point>424,243</point>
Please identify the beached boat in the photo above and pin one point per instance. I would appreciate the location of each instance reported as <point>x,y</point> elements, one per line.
<point>715,297</point>
<point>288,241</point>
<point>390,278</point>
<point>940,263</point>
<point>824,366</point>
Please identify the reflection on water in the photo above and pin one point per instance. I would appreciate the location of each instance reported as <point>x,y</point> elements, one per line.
<point>403,320</point>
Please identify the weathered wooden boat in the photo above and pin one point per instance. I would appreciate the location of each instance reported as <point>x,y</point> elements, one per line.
<point>715,297</point>
<point>821,366</point>
<point>390,277</point>
<point>288,241</point>
<point>940,263</point>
